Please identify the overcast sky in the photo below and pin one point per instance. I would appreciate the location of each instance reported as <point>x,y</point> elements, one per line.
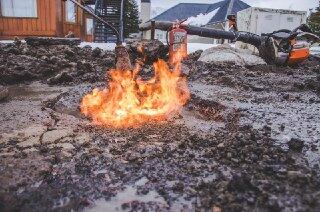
<point>304,5</point>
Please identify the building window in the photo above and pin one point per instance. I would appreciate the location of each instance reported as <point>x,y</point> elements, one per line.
<point>290,19</point>
<point>268,17</point>
<point>71,12</point>
<point>89,26</point>
<point>18,8</point>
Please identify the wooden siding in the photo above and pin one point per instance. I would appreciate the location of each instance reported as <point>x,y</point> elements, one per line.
<point>78,27</point>
<point>43,25</point>
<point>51,21</point>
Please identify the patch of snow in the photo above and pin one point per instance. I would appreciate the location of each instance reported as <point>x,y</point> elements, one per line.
<point>6,41</point>
<point>315,50</point>
<point>103,46</point>
<point>192,47</point>
<point>202,19</point>
<point>126,196</point>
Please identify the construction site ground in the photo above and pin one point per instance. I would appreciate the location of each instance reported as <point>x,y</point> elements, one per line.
<point>249,139</point>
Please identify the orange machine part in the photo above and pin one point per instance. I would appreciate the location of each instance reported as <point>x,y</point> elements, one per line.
<point>298,55</point>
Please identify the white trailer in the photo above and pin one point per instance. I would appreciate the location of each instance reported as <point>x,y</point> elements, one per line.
<point>263,20</point>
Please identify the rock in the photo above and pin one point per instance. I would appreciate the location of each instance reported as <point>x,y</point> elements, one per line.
<point>56,135</point>
<point>65,146</point>
<point>63,77</point>
<point>82,138</point>
<point>221,145</point>
<point>4,93</point>
<point>96,52</point>
<point>225,54</point>
<point>296,144</point>
<point>30,142</point>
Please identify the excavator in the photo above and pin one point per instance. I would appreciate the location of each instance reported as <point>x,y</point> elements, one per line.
<point>282,47</point>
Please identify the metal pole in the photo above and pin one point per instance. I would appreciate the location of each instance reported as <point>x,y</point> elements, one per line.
<point>121,21</point>
<point>153,29</point>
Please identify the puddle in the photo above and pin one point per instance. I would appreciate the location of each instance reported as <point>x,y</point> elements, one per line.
<point>35,91</point>
<point>127,196</point>
<point>196,124</point>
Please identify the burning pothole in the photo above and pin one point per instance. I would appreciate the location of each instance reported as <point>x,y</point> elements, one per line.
<point>204,114</point>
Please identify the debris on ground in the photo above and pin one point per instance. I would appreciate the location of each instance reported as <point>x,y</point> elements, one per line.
<point>58,64</point>
<point>296,144</point>
<point>49,41</point>
<point>247,140</point>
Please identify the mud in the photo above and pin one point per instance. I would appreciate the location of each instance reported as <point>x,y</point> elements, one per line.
<point>248,140</point>
<point>59,64</point>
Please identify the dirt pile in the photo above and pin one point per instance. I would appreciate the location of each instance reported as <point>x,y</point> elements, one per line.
<point>303,77</point>
<point>59,64</point>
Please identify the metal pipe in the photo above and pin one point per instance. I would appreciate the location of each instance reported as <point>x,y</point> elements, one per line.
<point>121,21</point>
<point>116,32</point>
<point>208,32</point>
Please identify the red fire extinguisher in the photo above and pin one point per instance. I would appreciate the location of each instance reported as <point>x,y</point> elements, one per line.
<point>178,44</point>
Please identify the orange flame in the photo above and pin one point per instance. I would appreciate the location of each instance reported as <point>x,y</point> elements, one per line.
<point>130,101</point>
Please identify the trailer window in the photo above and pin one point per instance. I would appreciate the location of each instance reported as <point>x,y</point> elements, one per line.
<point>89,26</point>
<point>71,12</point>
<point>268,17</point>
<point>18,8</point>
<point>290,19</point>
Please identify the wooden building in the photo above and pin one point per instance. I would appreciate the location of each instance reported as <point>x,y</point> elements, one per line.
<point>51,18</point>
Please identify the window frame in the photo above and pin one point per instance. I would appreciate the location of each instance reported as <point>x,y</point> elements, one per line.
<point>87,26</point>
<point>22,17</point>
<point>66,13</point>
<point>290,19</point>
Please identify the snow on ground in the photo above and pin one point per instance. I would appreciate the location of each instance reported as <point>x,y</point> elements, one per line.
<point>6,41</point>
<point>315,50</point>
<point>192,47</point>
<point>104,46</point>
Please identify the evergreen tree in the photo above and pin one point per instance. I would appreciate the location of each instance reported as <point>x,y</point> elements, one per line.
<point>314,21</point>
<point>131,17</point>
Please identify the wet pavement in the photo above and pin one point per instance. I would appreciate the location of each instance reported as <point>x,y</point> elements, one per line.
<point>248,140</point>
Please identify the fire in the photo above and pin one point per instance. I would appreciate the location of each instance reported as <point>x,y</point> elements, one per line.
<point>130,101</point>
